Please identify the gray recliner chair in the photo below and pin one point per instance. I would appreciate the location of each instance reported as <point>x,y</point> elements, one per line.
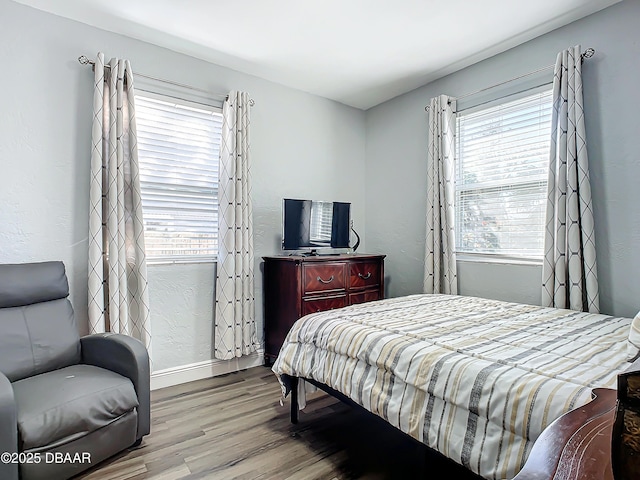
<point>66,403</point>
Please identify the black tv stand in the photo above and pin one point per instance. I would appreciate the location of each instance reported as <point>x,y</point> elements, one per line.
<point>315,253</point>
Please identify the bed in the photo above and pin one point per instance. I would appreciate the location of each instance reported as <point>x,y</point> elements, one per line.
<point>477,380</point>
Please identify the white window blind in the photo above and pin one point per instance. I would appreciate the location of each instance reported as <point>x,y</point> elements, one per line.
<point>178,150</point>
<point>501,178</point>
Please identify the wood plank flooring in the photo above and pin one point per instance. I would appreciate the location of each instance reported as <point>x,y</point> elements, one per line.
<point>233,428</point>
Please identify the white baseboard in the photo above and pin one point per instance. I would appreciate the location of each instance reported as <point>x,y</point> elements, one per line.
<point>207,369</point>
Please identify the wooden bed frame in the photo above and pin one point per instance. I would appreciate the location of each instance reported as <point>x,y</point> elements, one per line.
<point>598,441</point>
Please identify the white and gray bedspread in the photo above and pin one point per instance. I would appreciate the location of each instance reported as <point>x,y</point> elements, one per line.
<point>475,379</point>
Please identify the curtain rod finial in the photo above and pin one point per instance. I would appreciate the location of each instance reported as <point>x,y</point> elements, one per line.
<point>84,60</point>
<point>588,53</point>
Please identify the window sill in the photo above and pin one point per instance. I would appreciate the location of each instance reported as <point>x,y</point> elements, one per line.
<point>497,259</point>
<point>180,261</point>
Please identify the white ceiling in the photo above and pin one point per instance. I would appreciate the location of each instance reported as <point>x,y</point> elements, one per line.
<point>358,52</point>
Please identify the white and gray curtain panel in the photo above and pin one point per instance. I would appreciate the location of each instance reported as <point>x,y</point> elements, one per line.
<point>118,290</point>
<point>570,277</point>
<point>440,272</point>
<point>235,326</point>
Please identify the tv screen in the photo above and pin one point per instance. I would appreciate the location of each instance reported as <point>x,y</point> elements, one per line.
<point>310,224</point>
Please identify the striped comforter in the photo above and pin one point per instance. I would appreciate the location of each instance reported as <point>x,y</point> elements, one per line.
<point>476,379</point>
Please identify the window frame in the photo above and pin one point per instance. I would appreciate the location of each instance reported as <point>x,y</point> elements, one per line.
<point>487,257</point>
<point>190,99</point>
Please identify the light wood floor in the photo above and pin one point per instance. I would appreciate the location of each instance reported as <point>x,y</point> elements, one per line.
<point>233,427</point>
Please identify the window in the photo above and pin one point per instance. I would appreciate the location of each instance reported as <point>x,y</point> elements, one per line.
<point>501,178</point>
<point>178,151</point>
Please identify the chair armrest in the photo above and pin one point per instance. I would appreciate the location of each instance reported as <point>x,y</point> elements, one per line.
<point>8,428</point>
<point>128,357</point>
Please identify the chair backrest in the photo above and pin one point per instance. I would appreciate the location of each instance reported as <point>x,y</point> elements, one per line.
<point>38,331</point>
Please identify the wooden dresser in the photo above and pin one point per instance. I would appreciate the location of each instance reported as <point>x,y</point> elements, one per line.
<point>295,286</point>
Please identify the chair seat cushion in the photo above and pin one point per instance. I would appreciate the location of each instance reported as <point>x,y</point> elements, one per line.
<point>66,404</point>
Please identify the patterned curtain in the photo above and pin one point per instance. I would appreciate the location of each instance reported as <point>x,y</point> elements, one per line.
<point>440,272</point>
<point>118,293</point>
<point>235,325</point>
<point>570,278</point>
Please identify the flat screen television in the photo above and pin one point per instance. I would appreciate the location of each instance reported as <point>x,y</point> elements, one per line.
<point>311,224</point>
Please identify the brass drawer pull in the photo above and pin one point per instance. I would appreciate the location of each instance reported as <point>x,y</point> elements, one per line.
<point>325,281</point>
<point>364,277</point>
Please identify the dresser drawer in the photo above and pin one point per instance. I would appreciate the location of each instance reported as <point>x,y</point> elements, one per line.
<point>364,274</point>
<point>323,277</point>
<point>320,304</point>
<point>362,297</point>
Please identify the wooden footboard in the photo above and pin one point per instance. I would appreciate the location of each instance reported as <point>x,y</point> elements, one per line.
<point>598,441</point>
<point>577,445</point>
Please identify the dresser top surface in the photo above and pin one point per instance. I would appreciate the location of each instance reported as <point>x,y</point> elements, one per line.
<point>324,258</point>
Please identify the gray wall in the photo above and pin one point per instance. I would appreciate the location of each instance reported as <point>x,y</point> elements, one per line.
<point>302,146</point>
<point>396,145</point>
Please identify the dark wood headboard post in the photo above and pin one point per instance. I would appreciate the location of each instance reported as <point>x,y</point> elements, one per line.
<point>625,444</point>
